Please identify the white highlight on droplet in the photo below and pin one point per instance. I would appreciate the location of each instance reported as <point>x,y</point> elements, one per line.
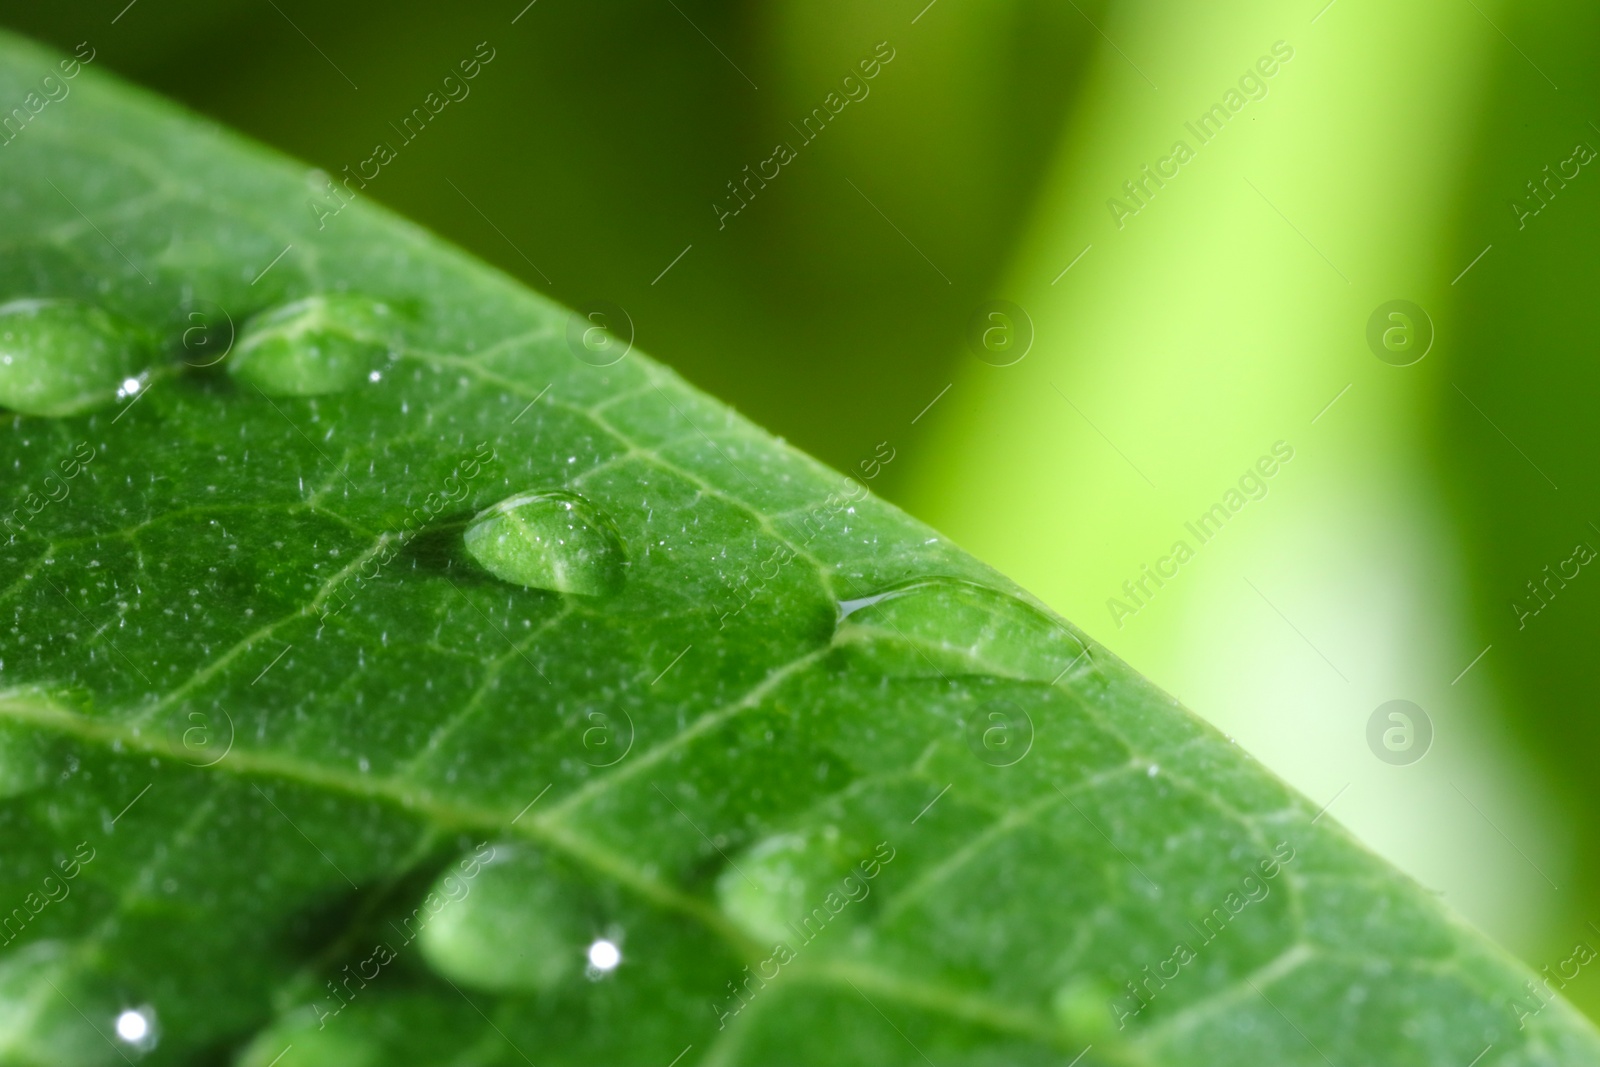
<point>130,386</point>
<point>133,1027</point>
<point>604,955</point>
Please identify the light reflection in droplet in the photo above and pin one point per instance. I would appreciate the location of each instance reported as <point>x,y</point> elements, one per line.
<point>133,1027</point>
<point>62,357</point>
<point>604,955</point>
<point>553,540</point>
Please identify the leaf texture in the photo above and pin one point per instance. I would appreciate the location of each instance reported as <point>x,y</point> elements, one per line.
<point>742,766</point>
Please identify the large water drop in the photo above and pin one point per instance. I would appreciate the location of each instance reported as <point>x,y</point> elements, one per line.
<point>507,925</point>
<point>790,887</point>
<point>946,626</point>
<point>320,344</point>
<point>62,357</point>
<point>554,540</point>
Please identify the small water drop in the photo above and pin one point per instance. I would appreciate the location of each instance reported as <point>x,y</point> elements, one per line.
<point>554,540</point>
<point>320,344</point>
<point>63,357</point>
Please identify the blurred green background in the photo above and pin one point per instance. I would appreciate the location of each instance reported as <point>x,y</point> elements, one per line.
<point>1172,347</point>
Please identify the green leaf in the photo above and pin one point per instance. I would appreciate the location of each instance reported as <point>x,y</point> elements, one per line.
<point>694,753</point>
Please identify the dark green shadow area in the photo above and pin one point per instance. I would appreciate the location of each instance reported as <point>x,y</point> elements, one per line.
<point>1517,416</point>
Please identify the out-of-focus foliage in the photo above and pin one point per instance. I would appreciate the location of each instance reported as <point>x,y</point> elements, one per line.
<point>1516,438</point>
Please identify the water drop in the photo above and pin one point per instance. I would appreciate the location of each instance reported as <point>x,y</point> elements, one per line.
<point>790,887</point>
<point>1079,1008</point>
<point>37,1029</point>
<point>321,1034</point>
<point>320,344</point>
<point>556,540</point>
<point>62,357</point>
<point>848,608</point>
<point>768,890</point>
<point>943,626</point>
<point>508,924</point>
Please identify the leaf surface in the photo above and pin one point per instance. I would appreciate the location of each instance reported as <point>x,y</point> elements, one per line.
<point>694,752</point>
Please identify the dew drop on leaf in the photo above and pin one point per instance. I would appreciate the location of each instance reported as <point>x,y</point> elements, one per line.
<point>768,889</point>
<point>1085,1006</point>
<point>953,622</point>
<point>512,925</point>
<point>320,344</point>
<point>36,1029</point>
<point>792,886</point>
<point>315,1037</point>
<point>553,540</point>
<point>62,357</point>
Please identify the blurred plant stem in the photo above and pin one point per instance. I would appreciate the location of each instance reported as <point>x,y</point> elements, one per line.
<point>1220,306</point>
